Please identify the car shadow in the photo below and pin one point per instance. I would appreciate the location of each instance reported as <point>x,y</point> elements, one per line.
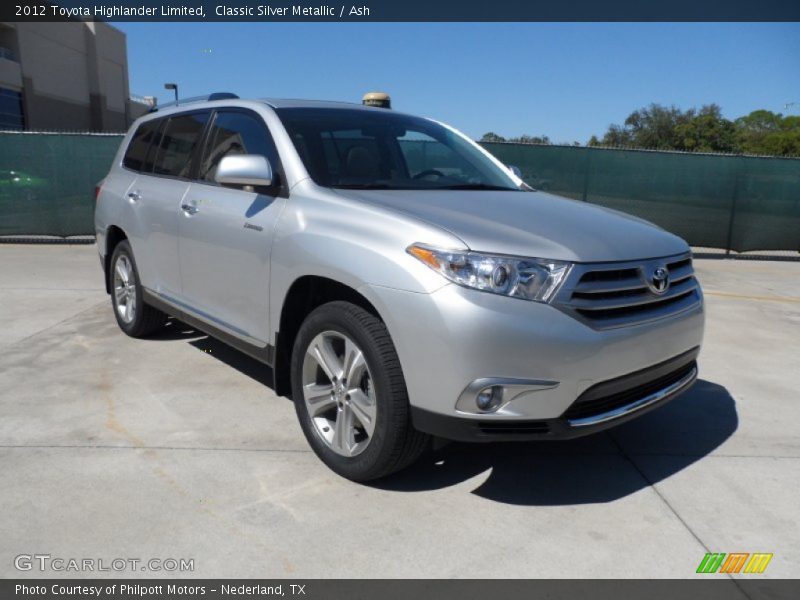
<point>595,469</point>
<point>175,330</point>
<point>598,468</point>
<point>246,365</point>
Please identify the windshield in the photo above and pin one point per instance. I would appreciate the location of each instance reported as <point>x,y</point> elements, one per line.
<point>365,149</point>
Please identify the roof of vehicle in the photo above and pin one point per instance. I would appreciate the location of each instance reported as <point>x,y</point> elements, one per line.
<point>202,101</point>
<point>298,103</point>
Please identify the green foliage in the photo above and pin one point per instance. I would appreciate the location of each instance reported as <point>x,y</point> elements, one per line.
<point>492,137</point>
<point>705,130</point>
<point>522,139</point>
<point>765,132</point>
<point>531,139</point>
<point>655,126</point>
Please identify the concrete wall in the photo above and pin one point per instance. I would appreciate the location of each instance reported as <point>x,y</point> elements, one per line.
<point>137,109</point>
<point>10,75</point>
<point>74,75</point>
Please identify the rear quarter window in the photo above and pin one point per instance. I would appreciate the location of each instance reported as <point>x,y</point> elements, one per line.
<point>178,143</point>
<point>136,154</point>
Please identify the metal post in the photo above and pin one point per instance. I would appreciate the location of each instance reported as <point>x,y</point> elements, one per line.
<point>586,173</point>
<point>739,167</point>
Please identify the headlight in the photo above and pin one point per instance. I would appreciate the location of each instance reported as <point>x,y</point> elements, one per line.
<point>529,278</point>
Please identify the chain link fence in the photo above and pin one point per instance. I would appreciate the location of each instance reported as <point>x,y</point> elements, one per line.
<point>47,181</point>
<point>736,203</point>
<point>739,203</point>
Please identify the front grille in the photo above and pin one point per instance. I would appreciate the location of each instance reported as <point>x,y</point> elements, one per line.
<point>512,427</point>
<point>619,294</point>
<point>589,404</point>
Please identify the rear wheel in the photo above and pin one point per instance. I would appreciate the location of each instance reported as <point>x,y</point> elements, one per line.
<point>350,394</point>
<point>134,317</point>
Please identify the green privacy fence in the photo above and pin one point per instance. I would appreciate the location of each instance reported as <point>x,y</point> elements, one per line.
<point>730,202</point>
<point>740,203</point>
<point>47,181</point>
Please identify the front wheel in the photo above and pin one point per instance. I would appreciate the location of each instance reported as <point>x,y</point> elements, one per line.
<point>350,394</point>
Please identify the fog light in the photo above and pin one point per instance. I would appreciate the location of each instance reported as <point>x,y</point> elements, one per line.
<point>489,399</point>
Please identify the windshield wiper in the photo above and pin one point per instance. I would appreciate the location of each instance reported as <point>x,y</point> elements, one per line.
<point>477,186</point>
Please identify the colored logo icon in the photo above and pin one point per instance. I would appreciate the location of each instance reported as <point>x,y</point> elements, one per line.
<point>736,562</point>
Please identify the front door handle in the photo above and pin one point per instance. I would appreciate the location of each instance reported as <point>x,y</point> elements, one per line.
<point>190,209</point>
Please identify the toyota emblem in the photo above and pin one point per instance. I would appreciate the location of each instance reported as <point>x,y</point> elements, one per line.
<point>659,280</point>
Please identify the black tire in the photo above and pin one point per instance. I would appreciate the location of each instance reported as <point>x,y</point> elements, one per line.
<point>146,320</point>
<point>394,444</point>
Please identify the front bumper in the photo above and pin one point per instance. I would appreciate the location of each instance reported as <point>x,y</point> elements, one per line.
<point>450,338</point>
<point>603,405</point>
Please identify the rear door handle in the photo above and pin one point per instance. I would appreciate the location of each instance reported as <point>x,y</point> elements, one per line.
<point>190,209</point>
<point>134,196</point>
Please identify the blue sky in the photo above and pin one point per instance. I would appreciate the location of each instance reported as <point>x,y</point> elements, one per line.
<point>567,81</point>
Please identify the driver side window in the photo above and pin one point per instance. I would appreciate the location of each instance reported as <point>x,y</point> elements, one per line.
<point>234,133</point>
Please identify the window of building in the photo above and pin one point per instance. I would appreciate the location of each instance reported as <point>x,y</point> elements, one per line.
<point>11,114</point>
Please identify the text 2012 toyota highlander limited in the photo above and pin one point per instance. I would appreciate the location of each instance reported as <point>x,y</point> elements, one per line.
<point>400,281</point>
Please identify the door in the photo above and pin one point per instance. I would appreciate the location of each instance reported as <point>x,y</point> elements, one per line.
<point>225,233</point>
<point>155,197</point>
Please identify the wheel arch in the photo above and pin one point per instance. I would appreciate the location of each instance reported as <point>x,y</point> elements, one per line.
<point>114,235</point>
<point>304,295</point>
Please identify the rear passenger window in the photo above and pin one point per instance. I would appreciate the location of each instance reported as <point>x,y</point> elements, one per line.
<point>178,142</point>
<point>136,153</point>
<point>236,133</point>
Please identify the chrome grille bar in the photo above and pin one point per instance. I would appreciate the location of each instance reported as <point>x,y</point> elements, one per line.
<point>639,404</point>
<point>619,294</point>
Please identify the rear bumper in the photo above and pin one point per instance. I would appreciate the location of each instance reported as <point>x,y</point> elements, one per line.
<point>600,407</point>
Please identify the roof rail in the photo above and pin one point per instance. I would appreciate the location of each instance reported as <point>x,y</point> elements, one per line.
<point>208,98</point>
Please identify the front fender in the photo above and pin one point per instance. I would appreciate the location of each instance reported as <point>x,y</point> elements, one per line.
<point>327,235</point>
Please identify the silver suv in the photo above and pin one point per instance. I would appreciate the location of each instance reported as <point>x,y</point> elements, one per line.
<point>399,280</point>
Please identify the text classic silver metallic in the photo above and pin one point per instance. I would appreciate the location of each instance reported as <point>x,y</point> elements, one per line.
<point>400,281</point>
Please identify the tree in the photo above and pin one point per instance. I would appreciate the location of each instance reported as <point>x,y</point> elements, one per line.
<point>521,139</point>
<point>693,130</point>
<point>492,137</point>
<point>656,126</point>
<point>765,132</point>
<point>530,139</point>
<point>617,136</point>
<point>707,131</point>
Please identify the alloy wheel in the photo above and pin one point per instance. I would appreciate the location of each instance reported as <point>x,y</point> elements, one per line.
<point>125,289</point>
<point>339,393</point>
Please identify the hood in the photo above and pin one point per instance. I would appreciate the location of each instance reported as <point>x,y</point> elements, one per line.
<point>533,224</point>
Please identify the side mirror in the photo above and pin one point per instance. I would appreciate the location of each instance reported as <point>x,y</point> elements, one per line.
<point>515,170</point>
<point>244,169</point>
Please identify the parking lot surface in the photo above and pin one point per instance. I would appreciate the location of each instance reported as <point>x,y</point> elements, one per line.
<point>175,447</point>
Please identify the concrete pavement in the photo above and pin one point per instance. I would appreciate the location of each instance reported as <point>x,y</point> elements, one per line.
<point>175,447</point>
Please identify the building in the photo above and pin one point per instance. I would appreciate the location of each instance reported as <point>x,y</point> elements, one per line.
<point>68,76</point>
